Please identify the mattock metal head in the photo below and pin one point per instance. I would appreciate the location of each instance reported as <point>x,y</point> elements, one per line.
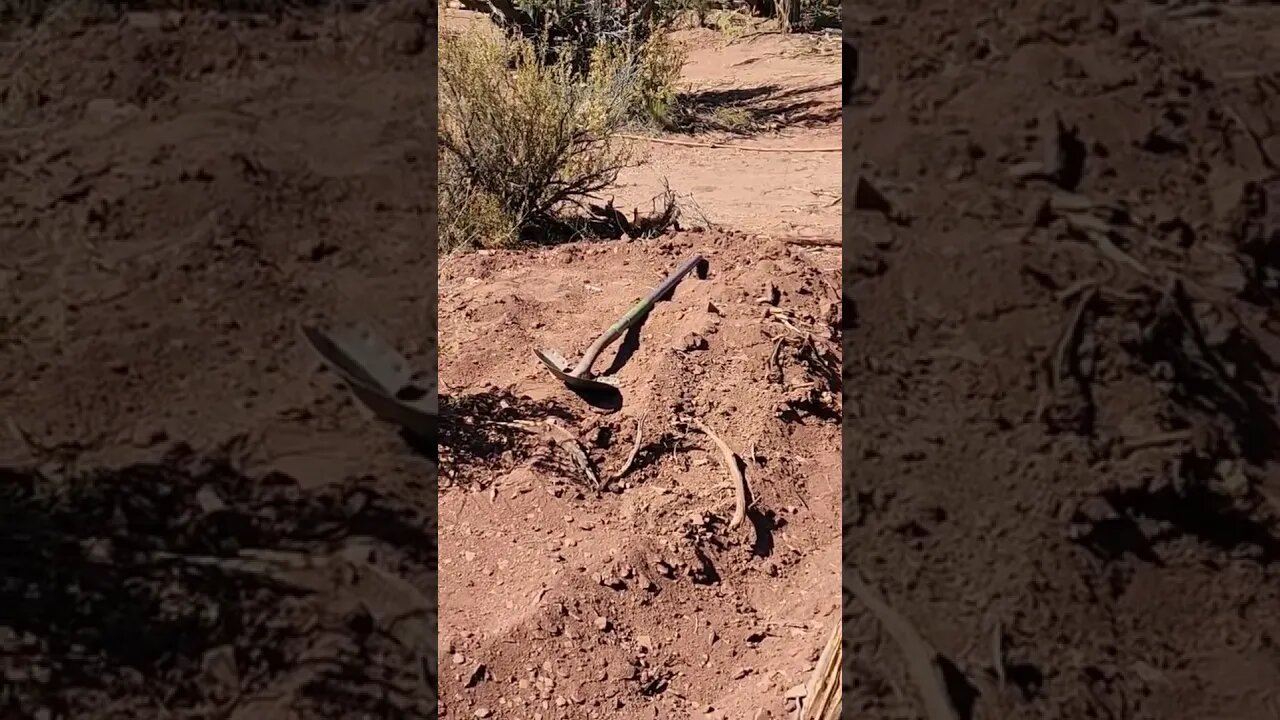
<point>559,367</point>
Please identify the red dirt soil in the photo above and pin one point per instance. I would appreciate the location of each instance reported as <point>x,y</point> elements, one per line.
<point>1071,492</point>
<point>636,600</point>
<point>630,596</point>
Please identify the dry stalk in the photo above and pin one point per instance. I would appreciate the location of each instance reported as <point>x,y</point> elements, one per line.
<point>921,657</point>
<point>570,444</point>
<point>823,693</point>
<point>731,463</point>
<point>635,450</point>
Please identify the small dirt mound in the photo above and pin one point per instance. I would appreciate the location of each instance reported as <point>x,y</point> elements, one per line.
<point>630,583</point>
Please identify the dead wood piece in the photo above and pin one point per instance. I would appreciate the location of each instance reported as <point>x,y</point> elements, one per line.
<point>635,450</point>
<point>1173,437</point>
<point>731,463</point>
<point>822,699</point>
<point>1098,232</point>
<point>747,148</point>
<point>997,652</point>
<point>921,657</point>
<point>1072,334</point>
<point>812,241</point>
<point>570,445</point>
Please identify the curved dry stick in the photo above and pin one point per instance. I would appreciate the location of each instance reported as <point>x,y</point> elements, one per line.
<point>569,443</point>
<point>920,656</point>
<point>731,462</point>
<point>635,450</point>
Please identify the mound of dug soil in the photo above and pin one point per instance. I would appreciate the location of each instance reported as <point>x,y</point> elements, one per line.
<point>1062,373</point>
<point>629,593</point>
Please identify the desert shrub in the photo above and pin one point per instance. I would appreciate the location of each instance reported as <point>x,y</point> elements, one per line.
<point>572,29</point>
<point>522,140</point>
<point>655,65</point>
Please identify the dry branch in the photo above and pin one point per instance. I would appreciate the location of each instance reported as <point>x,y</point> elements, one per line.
<point>921,657</point>
<point>635,450</point>
<point>570,444</point>
<point>731,463</point>
<point>714,145</point>
<point>823,694</point>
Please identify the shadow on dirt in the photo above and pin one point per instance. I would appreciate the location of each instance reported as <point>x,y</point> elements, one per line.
<point>751,111</point>
<point>483,426</point>
<point>123,592</point>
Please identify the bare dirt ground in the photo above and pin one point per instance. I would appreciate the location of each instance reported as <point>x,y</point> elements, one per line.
<point>788,88</point>
<point>629,596</point>
<point>1060,408</point>
<point>179,191</point>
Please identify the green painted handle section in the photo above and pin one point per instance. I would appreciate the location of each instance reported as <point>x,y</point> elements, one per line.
<point>633,315</point>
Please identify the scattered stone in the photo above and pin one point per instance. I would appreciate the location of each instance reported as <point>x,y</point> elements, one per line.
<point>622,671</point>
<point>867,197</point>
<point>692,342</point>
<point>220,668</point>
<point>482,712</point>
<point>146,436</point>
<point>209,500</point>
<point>796,692</point>
<point>602,624</point>
<point>315,250</point>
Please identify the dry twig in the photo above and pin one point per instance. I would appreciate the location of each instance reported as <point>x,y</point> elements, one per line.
<point>735,472</point>
<point>748,148</point>
<point>823,693</point>
<point>635,450</point>
<point>921,657</point>
<point>569,443</point>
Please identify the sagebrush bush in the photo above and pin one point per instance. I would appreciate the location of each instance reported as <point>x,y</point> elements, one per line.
<point>573,29</point>
<point>656,64</point>
<point>520,140</point>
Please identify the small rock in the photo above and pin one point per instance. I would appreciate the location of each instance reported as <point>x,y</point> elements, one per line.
<point>645,643</point>
<point>796,692</point>
<point>315,250</point>
<point>209,500</point>
<point>622,671</point>
<point>602,624</point>
<point>459,658</point>
<point>741,673</point>
<point>692,342</point>
<point>107,111</point>
<point>483,712</point>
<point>220,668</point>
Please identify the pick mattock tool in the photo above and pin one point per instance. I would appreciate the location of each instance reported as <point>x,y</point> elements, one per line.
<point>580,377</point>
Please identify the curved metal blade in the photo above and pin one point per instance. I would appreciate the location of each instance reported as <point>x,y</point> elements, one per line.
<point>556,365</point>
